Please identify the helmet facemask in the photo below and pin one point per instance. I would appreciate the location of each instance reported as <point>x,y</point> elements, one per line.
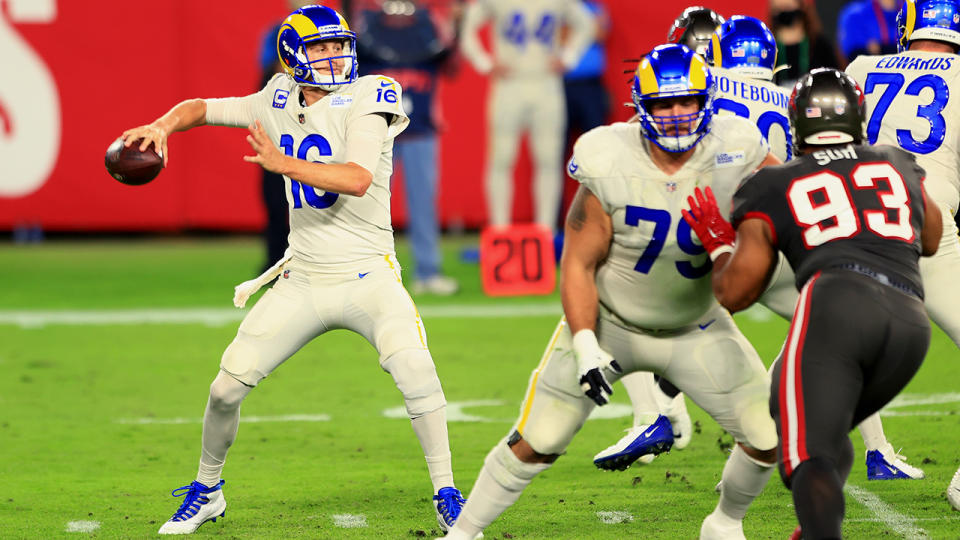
<point>323,73</point>
<point>673,133</point>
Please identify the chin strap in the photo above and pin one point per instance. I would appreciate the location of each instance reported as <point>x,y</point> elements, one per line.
<point>245,290</point>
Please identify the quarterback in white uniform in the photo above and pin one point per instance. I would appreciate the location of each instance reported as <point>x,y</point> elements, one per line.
<point>526,94</point>
<point>636,293</point>
<point>330,133</point>
<point>912,105</point>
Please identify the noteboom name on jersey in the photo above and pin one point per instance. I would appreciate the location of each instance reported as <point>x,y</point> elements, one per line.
<point>751,92</point>
<point>912,62</point>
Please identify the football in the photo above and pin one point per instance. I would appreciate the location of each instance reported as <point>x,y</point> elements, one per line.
<point>128,165</point>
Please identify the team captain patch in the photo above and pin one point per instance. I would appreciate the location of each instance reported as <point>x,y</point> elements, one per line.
<point>730,159</point>
<point>280,99</point>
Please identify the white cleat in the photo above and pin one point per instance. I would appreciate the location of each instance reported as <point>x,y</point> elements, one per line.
<point>641,443</point>
<point>953,491</point>
<point>200,505</point>
<point>885,464</point>
<point>719,526</point>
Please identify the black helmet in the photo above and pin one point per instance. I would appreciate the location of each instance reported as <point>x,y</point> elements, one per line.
<point>826,108</point>
<point>694,28</point>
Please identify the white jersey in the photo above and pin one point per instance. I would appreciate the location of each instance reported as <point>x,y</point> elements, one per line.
<point>657,274</point>
<point>526,34</point>
<point>763,102</point>
<point>326,228</point>
<point>913,103</point>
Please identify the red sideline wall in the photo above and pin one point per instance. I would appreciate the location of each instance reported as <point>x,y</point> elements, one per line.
<point>78,73</point>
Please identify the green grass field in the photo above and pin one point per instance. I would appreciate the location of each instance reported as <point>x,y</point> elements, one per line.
<point>100,415</point>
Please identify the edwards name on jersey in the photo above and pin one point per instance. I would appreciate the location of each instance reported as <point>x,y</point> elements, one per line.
<point>656,275</point>
<point>914,104</point>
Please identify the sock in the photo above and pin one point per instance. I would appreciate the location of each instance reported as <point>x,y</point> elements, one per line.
<point>640,387</point>
<point>871,429</point>
<point>431,431</point>
<point>501,481</point>
<point>818,498</point>
<point>743,480</point>
<point>220,422</point>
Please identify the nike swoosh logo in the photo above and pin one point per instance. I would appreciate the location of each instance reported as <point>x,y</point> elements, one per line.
<point>363,275</point>
<point>384,84</point>
<point>704,326</point>
<point>650,431</point>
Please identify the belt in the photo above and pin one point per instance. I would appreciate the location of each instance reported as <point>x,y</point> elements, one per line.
<point>879,277</point>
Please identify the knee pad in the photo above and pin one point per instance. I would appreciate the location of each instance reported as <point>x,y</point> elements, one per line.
<point>507,469</point>
<point>416,377</point>
<point>758,426</point>
<point>553,419</point>
<point>240,361</point>
<point>226,392</point>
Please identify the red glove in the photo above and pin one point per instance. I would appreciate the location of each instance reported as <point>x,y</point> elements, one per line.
<point>704,218</point>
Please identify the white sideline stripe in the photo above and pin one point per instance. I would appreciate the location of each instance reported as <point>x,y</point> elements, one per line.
<point>616,516</point>
<point>903,525</point>
<point>878,520</point>
<point>906,400</point>
<point>82,526</point>
<point>245,419</point>
<point>349,521</point>
<point>222,316</point>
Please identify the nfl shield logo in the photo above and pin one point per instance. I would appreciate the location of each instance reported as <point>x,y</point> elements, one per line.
<point>286,274</point>
<point>671,187</point>
<point>839,108</point>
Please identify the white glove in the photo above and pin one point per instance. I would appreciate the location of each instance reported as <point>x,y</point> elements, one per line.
<point>592,362</point>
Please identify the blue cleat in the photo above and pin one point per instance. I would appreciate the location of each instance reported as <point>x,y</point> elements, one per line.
<point>200,505</point>
<point>885,464</point>
<point>640,441</point>
<point>448,502</point>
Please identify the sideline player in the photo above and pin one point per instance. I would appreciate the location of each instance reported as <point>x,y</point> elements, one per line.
<point>853,221</point>
<point>694,28</point>
<point>912,106</point>
<point>636,293</point>
<point>743,54</point>
<point>336,133</point>
<point>526,95</point>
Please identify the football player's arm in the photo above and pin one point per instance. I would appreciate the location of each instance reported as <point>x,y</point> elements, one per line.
<point>583,30</point>
<point>771,159</point>
<point>365,137</point>
<point>932,227</point>
<point>475,15</point>
<point>183,116</point>
<point>587,236</point>
<point>740,277</point>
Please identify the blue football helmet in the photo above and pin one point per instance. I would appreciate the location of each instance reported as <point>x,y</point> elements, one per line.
<point>928,19</point>
<point>669,71</point>
<point>744,45</point>
<point>308,25</point>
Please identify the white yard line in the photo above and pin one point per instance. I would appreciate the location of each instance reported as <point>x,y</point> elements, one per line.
<point>81,526</point>
<point>903,525</point>
<point>245,419</point>
<point>223,316</point>
<point>349,521</point>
